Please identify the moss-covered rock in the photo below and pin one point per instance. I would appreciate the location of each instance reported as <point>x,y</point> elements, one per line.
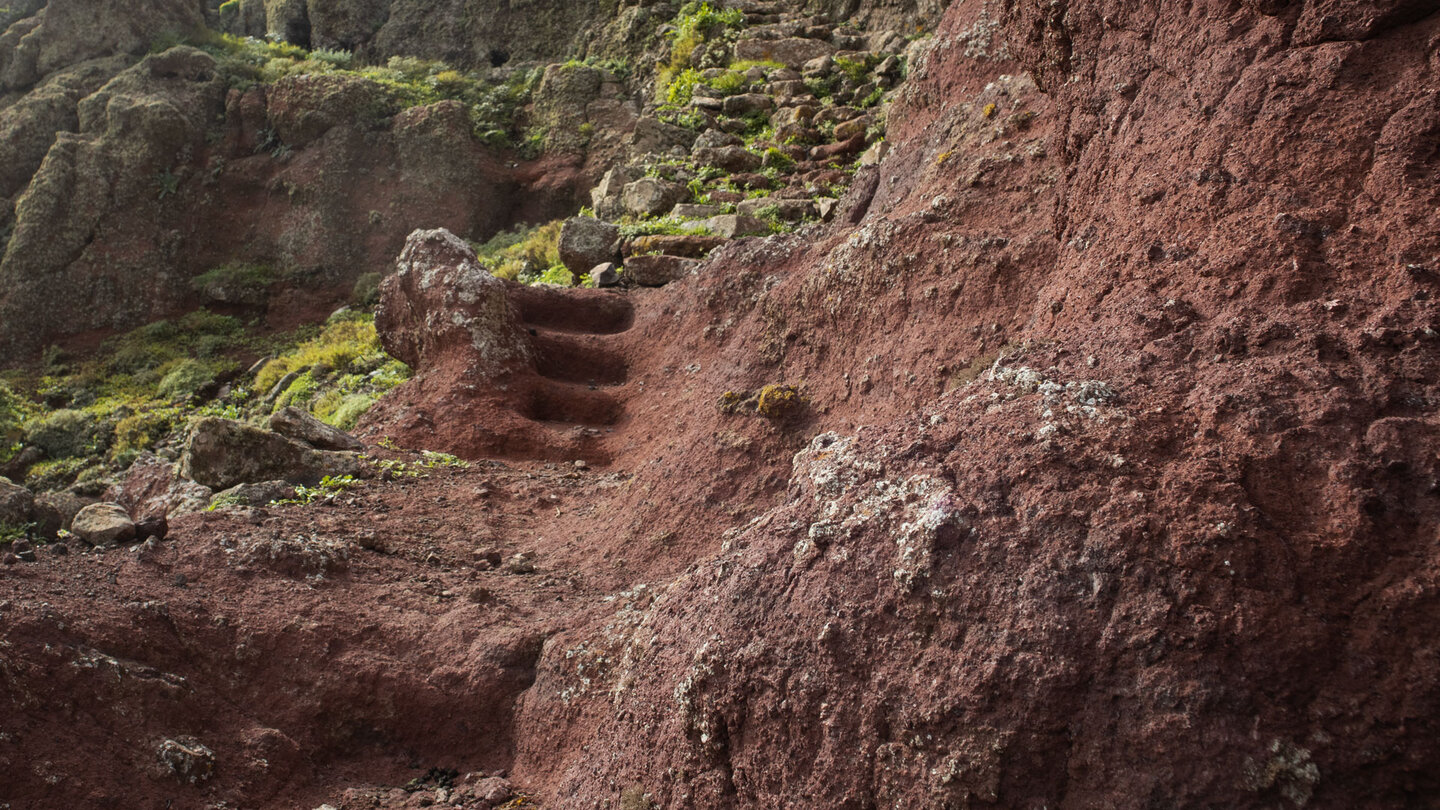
<point>221,453</point>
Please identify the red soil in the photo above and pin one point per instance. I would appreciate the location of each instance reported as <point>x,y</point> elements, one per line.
<point>1132,498</point>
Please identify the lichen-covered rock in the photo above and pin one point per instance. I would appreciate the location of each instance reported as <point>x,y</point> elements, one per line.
<point>440,301</point>
<point>303,108</point>
<point>150,489</point>
<point>101,524</point>
<point>651,196</point>
<point>221,453</point>
<point>586,242</point>
<point>560,103</point>
<point>790,51</point>
<point>67,32</point>
<point>658,270</point>
<point>301,425</point>
<point>17,504</point>
<point>66,254</point>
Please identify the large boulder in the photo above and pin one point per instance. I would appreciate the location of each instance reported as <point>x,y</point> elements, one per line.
<point>790,51</point>
<point>68,253</point>
<point>606,198</point>
<point>55,511</point>
<point>101,524</point>
<point>67,32</point>
<point>730,158</point>
<point>651,196</point>
<point>150,489</point>
<point>17,504</point>
<point>586,242</point>
<point>221,453</point>
<point>441,302</point>
<point>301,425</point>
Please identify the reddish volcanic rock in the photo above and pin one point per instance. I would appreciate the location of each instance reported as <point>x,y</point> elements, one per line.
<point>1115,485</point>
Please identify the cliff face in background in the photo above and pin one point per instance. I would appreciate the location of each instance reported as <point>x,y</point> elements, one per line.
<point>1116,483</point>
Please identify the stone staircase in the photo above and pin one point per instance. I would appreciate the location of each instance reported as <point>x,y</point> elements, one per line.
<point>765,136</point>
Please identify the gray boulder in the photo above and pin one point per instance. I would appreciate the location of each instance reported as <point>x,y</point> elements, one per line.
<point>221,453</point>
<point>658,270</point>
<point>790,51</point>
<point>17,504</point>
<point>605,275</point>
<point>748,103</point>
<point>731,226</point>
<point>651,196</point>
<point>301,425</point>
<point>586,242</point>
<point>733,159</point>
<point>102,524</point>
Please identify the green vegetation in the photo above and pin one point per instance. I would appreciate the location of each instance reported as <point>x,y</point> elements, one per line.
<point>697,24</point>
<point>329,487</point>
<point>406,81</point>
<point>140,391</point>
<point>236,282</point>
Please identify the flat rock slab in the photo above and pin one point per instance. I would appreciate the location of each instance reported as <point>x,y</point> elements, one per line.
<point>658,270</point>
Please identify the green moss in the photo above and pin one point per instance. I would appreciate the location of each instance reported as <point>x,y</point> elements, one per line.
<point>185,378</point>
<point>236,282</point>
<point>56,474</point>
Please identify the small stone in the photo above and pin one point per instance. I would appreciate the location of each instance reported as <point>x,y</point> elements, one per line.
<point>187,759</point>
<point>9,559</point>
<point>480,596</point>
<point>26,556</point>
<point>101,524</point>
<point>605,275</point>
<point>580,464</point>
<point>59,549</point>
<point>520,564</point>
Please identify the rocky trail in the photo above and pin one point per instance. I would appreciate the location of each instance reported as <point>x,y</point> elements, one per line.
<point>1079,449</point>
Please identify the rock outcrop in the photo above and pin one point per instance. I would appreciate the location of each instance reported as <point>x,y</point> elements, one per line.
<point>221,453</point>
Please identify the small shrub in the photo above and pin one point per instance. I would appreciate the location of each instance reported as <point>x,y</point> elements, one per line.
<point>366,292</point>
<point>65,433</point>
<point>236,283</point>
<point>184,379</point>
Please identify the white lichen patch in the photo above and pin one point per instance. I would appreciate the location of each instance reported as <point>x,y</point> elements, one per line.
<point>852,499</point>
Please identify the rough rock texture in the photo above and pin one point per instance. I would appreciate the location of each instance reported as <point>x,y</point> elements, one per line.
<point>124,193</point>
<point>1113,484</point>
<point>221,453</point>
<point>441,302</point>
<point>586,242</point>
<point>101,524</point>
<point>507,346</point>
<point>150,489</point>
<point>17,504</point>
<point>67,32</point>
<point>301,425</point>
